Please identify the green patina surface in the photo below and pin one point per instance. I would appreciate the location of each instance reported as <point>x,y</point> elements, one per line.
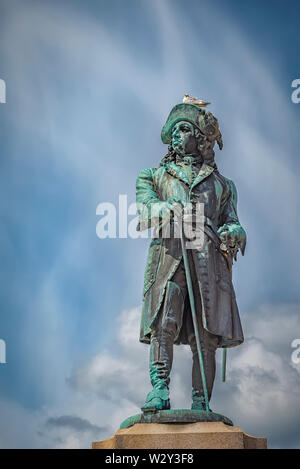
<point>176,416</point>
<point>186,176</point>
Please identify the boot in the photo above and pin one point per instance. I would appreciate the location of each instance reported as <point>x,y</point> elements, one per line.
<point>158,398</point>
<point>198,401</point>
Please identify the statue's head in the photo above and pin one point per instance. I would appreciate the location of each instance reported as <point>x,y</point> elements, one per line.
<point>191,130</point>
<point>184,139</point>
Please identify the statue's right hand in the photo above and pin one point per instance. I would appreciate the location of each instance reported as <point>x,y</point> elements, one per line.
<point>176,207</point>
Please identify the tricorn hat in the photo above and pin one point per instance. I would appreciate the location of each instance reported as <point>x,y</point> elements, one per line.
<point>204,120</point>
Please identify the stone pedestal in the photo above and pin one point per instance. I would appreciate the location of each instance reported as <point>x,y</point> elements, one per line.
<point>200,435</point>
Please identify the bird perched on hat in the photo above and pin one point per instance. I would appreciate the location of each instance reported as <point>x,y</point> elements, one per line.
<point>197,102</point>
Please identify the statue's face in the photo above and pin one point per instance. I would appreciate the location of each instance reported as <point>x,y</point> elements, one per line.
<point>184,141</point>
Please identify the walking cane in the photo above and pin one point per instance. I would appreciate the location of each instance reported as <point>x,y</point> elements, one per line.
<point>194,317</point>
<point>224,354</point>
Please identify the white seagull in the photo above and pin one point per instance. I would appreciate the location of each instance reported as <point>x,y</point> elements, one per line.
<point>197,102</point>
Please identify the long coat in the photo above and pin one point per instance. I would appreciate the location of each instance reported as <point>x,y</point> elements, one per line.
<point>154,187</point>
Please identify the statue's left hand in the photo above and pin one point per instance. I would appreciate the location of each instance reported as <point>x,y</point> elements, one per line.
<point>233,236</point>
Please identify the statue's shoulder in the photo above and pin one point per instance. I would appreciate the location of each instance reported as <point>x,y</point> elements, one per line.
<point>149,173</point>
<point>228,184</point>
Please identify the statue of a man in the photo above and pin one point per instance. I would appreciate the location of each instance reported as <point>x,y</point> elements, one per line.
<point>188,174</point>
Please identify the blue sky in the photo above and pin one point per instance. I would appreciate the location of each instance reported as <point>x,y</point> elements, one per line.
<point>89,86</point>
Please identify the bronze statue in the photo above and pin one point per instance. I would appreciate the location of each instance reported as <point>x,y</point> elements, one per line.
<point>188,174</point>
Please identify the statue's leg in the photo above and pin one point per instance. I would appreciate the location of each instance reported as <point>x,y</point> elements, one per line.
<point>163,335</point>
<point>209,343</point>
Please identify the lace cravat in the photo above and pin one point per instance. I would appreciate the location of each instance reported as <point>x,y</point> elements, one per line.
<point>190,165</point>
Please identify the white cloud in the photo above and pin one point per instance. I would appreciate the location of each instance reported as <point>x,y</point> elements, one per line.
<point>261,393</point>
